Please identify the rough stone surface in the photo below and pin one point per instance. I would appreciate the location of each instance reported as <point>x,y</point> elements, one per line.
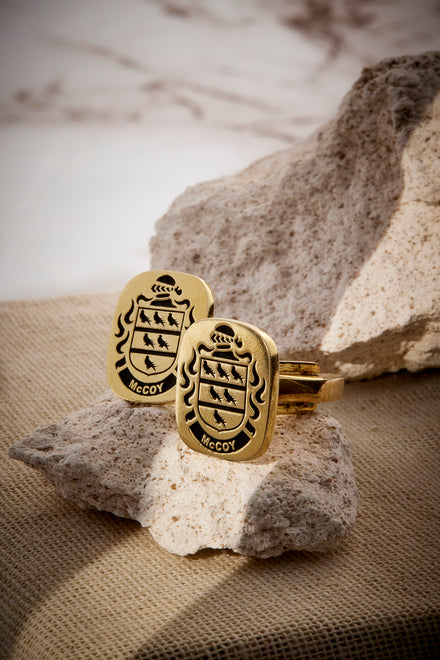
<point>332,246</point>
<point>129,460</point>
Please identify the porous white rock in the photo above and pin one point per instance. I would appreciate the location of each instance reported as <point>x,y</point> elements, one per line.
<point>128,459</point>
<point>332,246</point>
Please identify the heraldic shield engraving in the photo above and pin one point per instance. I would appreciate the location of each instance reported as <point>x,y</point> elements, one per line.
<point>154,311</point>
<point>223,387</point>
<point>224,403</point>
<point>155,337</point>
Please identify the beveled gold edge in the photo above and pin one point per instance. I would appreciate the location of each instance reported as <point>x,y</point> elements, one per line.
<point>273,389</point>
<point>248,453</point>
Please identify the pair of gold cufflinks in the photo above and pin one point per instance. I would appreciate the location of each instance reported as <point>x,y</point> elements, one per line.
<point>224,376</point>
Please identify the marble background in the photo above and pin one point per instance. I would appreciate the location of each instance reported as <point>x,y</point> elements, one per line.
<point>111,108</point>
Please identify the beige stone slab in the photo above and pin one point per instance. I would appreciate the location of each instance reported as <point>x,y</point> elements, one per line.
<point>331,246</point>
<point>128,459</point>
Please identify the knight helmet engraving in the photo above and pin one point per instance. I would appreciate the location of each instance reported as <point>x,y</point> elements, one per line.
<point>154,311</point>
<point>223,398</point>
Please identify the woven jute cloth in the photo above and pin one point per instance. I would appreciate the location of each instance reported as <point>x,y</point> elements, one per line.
<point>85,584</point>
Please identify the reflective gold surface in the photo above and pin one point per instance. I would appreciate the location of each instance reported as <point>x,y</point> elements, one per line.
<point>231,386</point>
<point>153,313</point>
<point>302,387</point>
<point>227,390</point>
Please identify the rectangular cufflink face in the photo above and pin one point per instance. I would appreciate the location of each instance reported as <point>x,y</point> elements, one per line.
<point>152,315</point>
<point>227,389</point>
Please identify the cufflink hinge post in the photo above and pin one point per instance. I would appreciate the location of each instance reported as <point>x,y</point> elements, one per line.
<point>302,387</point>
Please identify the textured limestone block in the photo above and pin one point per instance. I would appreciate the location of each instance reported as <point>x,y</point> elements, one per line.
<point>332,246</point>
<point>128,459</point>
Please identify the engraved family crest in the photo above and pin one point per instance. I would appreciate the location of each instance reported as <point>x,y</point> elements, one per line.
<point>155,338</point>
<point>153,312</point>
<point>229,385</point>
<point>222,391</point>
<point>150,332</point>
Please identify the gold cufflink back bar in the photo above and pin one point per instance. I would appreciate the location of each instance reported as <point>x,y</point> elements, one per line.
<point>154,311</point>
<point>231,386</point>
<point>302,387</point>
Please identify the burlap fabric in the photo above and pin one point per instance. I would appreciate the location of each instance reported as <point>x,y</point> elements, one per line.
<point>78,584</point>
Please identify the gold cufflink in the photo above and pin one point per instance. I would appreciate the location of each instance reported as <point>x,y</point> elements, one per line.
<point>231,386</point>
<point>152,315</point>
